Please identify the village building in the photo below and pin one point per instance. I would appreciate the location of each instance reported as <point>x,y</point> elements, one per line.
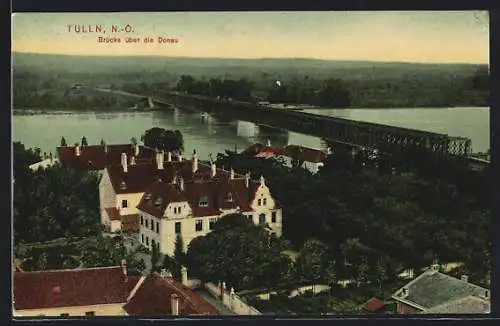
<point>103,291</point>
<point>159,195</point>
<point>435,291</point>
<point>307,158</point>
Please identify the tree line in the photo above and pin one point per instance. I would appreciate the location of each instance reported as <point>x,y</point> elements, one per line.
<point>377,220</point>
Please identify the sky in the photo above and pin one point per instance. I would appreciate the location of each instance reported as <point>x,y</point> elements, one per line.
<point>426,37</point>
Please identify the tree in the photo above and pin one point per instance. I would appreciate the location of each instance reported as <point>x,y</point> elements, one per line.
<point>166,140</point>
<point>63,142</point>
<point>312,261</point>
<point>155,258</point>
<point>179,253</point>
<point>42,262</point>
<point>84,141</point>
<point>244,255</point>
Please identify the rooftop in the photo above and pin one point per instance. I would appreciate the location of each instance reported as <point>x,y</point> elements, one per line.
<point>433,288</point>
<point>153,298</point>
<point>467,305</point>
<point>66,288</point>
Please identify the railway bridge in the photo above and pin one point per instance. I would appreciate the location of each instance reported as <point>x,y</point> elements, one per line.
<point>385,138</point>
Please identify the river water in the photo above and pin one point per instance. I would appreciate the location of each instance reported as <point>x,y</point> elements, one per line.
<point>215,134</point>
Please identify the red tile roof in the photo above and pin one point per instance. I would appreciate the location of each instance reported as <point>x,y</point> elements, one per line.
<point>374,304</point>
<point>304,153</point>
<point>67,288</point>
<point>260,150</point>
<point>158,196</point>
<point>97,157</point>
<point>218,191</point>
<point>154,295</point>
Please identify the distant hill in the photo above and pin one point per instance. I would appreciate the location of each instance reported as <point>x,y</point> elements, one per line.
<point>370,84</point>
<point>153,63</point>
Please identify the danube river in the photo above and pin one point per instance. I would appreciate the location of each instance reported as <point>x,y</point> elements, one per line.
<point>214,134</point>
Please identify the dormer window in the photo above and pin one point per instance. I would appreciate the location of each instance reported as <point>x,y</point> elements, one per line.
<point>158,201</point>
<point>123,185</point>
<point>147,196</point>
<point>229,197</point>
<point>203,202</point>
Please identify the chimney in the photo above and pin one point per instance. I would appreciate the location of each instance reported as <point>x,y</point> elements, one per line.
<point>174,300</point>
<point>180,157</point>
<point>214,169</point>
<point>184,278</point>
<point>77,150</point>
<point>465,278</point>
<point>268,143</point>
<point>132,160</point>
<point>231,174</point>
<point>124,267</point>
<point>136,150</point>
<point>247,180</point>
<point>159,160</point>
<point>328,150</point>
<point>262,181</point>
<point>169,156</point>
<point>124,162</point>
<point>181,183</point>
<point>195,161</point>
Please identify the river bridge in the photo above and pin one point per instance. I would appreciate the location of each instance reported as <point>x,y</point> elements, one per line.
<point>364,134</point>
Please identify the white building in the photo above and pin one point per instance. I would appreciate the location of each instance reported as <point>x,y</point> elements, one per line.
<point>167,195</point>
<point>190,208</point>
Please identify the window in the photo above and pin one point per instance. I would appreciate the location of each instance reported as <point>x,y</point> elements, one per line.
<point>262,219</point>
<point>198,225</point>
<point>265,201</point>
<point>146,223</point>
<point>64,314</point>
<point>179,210</point>
<point>152,225</point>
<point>177,227</point>
<point>203,202</point>
<point>175,210</point>
<point>259,202</point>
<point>90,313</point>
<point>142,220</point>
<point>153,243</point>
<point>147,241</point>
<point>142,238</point>
<point>273,217</point>
<point>212,223</point>
<point>124,204</point>
<point>157,227</point>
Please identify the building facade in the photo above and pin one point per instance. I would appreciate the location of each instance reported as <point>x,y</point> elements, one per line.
<point>189,205</point>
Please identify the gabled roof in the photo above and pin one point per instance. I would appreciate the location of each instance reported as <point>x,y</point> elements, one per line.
<point>67,288</point>
<point>261,150</point>
<point>158,196</point>
<point>291,151</point>
<point>433,288</point>
<point>97,157</point>
<point>304,153</point>
<point>467,305</point>
<point>153,298</point>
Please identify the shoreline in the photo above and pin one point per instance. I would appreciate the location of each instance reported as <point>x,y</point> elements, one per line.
<point>21,112</point>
